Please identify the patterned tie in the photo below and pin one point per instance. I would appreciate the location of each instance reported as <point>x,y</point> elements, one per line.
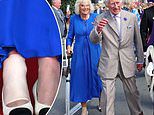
<point>59,13</point>
<point>117,21</point>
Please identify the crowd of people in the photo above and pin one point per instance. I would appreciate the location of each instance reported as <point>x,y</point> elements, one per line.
<point>144,13</point>
<point>106,42</point>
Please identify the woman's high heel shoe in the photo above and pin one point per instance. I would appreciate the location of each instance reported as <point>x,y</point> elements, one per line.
<point>25,109</point>
<point>40,109</point>
<point>84,111</point>
<point>99,108</point>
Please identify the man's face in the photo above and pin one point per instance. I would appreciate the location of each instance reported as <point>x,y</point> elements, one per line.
<point>57,3</point>
<point>84,8</point>
<point>114,6</point>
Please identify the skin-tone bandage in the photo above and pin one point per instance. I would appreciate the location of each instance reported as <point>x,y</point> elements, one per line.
<point>14,80</point>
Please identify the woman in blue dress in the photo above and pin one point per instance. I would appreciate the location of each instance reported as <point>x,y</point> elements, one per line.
<point>28,29</point>
<point>85,82</point>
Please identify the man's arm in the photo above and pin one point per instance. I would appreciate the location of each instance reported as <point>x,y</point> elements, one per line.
<point>94,36</point>
<point>96,33</point>
<point>139,46</point>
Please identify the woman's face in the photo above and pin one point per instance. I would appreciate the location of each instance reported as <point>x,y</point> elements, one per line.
<point>84,8</point>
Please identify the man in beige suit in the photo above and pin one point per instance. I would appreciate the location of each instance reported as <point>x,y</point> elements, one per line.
<point>121,53</point>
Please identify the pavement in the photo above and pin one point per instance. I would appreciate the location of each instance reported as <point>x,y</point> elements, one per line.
<point>121,107</point>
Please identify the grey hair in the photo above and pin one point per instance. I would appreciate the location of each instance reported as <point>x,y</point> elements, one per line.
<point>107,1</point>
<point>53,1</point>
<point>78,2</point>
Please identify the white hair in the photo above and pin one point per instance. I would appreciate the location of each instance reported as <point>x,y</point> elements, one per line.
<point>107,1</point>
<point>78,2</point>
<point>53,1</point>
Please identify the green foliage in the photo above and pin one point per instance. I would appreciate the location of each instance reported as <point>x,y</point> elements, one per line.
<point>65,3</point>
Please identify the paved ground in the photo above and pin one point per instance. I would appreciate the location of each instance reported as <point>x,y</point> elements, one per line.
<point>120,104</point>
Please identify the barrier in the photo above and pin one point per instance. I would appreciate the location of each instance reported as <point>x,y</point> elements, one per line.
<point>149,70</point>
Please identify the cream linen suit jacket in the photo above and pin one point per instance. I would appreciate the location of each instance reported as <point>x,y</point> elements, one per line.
<point>128,52</point>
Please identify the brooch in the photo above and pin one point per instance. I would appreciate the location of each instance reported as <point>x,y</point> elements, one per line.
<point>125,19</point>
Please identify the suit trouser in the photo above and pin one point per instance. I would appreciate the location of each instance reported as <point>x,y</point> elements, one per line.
<point>131,94</point>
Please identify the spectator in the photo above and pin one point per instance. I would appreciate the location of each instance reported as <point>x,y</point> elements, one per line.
<point>146,26</point>
<point>135,11</point>
<point>56,4</point>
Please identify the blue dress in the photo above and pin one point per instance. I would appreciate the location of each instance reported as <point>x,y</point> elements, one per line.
<point>30,27</point>
<point>85,82</point>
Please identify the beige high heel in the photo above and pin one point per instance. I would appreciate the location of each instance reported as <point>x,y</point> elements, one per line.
<point>84,111</point>
<point>28,108</point>
<point>38,106</point>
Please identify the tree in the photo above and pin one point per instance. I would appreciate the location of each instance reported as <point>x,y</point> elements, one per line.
<point>68,2</point>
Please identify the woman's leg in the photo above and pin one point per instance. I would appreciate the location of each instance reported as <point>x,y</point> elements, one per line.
<point>15,90</point>
<point>48,80</point>
<point>84,108</point>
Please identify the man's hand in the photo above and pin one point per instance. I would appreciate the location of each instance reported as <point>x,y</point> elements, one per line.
<point>69,50</point>
<point>139,67</point>
<point>101,25</point>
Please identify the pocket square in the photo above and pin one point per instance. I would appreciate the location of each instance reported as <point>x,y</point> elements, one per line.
<point>129,27</point>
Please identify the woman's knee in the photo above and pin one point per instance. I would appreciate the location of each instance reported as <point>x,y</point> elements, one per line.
<point>48,63</point>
